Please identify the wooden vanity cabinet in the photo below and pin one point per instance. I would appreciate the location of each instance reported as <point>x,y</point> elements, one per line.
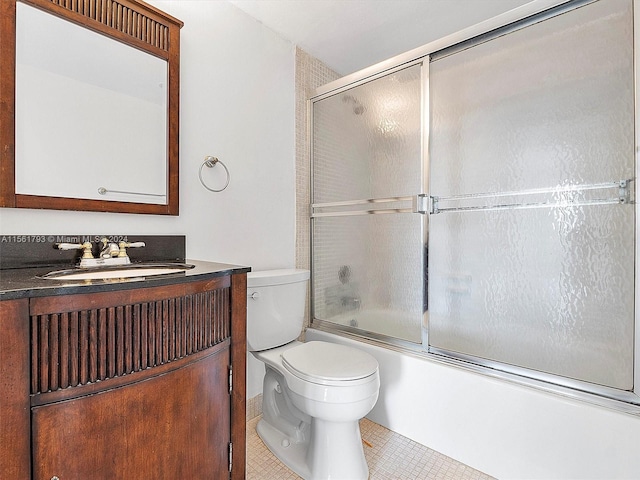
<point>15,439</point>
<point>136,383</point>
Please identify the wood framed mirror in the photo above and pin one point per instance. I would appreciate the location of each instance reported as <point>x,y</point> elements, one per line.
<point>89,106</point>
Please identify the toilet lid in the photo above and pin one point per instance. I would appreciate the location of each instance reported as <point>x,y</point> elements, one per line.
<point>321,362</point>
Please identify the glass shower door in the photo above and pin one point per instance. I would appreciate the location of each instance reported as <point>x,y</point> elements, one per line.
<point>532,231</point>
<point>368,271</point>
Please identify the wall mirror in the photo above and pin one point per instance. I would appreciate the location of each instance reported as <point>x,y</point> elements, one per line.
<point>89,106</point>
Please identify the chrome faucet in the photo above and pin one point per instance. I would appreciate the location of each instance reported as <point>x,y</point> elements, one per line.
<point>111,253</point>
<point>109,249</point>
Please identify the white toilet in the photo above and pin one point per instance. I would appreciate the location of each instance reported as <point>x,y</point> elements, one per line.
<point>314,393</point>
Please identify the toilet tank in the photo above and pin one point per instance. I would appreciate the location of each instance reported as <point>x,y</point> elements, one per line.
<point>275,307</point>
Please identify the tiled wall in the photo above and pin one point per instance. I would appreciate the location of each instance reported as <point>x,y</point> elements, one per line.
<point>310,74</point>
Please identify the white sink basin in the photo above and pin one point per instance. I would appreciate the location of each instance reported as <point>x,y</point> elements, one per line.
<point>130,271</point>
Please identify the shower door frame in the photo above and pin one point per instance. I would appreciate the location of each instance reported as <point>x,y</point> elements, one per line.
<point>417,205</point>
<point>625,401</point>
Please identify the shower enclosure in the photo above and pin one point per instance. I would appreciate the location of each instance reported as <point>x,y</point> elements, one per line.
<point>367,169</point>
<point>477,203</point>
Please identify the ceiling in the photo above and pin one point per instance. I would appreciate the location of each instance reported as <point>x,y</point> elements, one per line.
<point>349,35</point>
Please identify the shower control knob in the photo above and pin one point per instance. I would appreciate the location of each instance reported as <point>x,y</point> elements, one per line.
<point>255,295</point>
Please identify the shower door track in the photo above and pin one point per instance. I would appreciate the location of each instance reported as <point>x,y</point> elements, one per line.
<point>567,386</point>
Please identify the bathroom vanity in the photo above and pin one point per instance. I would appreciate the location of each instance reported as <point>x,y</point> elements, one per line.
<point>134,378</point>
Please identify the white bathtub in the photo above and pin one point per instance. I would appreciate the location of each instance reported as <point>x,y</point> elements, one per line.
<point>498,427</point>
<point>384,322</point>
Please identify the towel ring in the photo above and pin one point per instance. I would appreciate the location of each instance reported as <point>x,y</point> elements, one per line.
<point>210,162</point>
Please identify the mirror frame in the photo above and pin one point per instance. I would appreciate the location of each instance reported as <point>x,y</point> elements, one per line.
<point>132,22</point>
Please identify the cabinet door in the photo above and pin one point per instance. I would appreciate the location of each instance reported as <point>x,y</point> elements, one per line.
<point>14,390</point>
<point>172,426</point>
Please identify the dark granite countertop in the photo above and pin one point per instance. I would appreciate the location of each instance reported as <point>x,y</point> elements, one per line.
<point>25,282</point>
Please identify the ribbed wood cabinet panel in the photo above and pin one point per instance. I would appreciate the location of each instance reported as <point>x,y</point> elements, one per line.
<point>87,345</point>
<point>122,17</point>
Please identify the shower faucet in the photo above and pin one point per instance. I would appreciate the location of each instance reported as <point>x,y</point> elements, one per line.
<point>351,303</point>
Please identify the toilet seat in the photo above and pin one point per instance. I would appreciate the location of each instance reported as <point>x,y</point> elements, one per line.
<point>329,364</point>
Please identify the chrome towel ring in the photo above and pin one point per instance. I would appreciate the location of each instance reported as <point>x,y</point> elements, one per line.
<point>210,162</point>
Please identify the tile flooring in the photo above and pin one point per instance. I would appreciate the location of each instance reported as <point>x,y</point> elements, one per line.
<point>390,456</point>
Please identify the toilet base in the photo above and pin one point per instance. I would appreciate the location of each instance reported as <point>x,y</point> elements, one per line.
<point>293,455</point>
<point>340,458</point>
<point>312,428</point>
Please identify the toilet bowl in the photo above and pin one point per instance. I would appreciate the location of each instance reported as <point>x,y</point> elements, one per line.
<point>314,393</point>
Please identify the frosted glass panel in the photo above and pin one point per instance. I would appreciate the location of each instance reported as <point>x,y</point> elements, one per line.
<point>367,140</point>
<point>550,289</point>
<point>547,289</point>
<point>368,273</point>
<point>368,269</point>
<point>547,105</point>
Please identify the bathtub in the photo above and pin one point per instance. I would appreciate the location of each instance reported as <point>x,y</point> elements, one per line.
<point>500,428</point>
<point>383,322</point>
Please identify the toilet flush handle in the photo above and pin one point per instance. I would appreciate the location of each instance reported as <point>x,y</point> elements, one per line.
<point>255,295</point>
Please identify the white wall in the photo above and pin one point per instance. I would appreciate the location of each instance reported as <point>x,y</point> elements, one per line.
<point>236,103</point>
